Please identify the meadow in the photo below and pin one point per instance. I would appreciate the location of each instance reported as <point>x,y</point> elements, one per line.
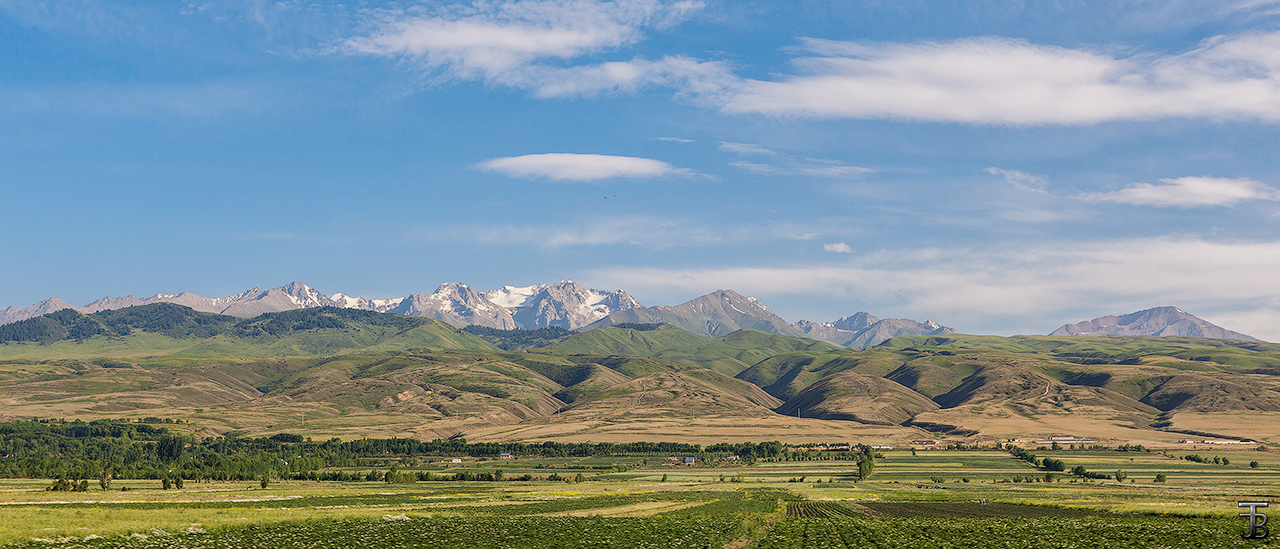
<point>932,498</point>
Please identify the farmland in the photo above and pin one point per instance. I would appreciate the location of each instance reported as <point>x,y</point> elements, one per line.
<point>935,498</point>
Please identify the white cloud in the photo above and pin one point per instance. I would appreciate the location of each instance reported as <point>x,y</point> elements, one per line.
<point>580,167</point>
<point>744,149</point>
<point>1022,180</point>
<point>510,43</point>
<point>487,38</point>
<point>838,247</point>
<point>536,46</point>
<point>811,168</point>
<point>1005,81</point>
<point>1021,287</point>
<point>673,139</point>
<point>1189,192</point>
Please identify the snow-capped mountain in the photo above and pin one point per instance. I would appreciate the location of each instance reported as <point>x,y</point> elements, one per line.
<point>457,304</point>
<point>565,304</point>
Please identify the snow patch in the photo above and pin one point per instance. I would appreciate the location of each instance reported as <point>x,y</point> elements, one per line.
<point>511,297</point>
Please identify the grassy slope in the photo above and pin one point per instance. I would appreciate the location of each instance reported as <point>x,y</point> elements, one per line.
<point>729,354</point>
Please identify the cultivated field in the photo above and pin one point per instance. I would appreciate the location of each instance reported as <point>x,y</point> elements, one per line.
<point>934,498</point>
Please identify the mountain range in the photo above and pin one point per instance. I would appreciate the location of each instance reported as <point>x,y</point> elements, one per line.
<point>332,371</point>
<point>565,304</point>
<point>569,305</point>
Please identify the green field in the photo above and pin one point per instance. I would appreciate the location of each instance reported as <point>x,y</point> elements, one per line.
<point>920,500</point>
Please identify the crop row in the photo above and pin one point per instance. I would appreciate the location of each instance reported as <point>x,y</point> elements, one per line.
<point>818,509</point>
<point>936,533</point>
<point>442,532</point>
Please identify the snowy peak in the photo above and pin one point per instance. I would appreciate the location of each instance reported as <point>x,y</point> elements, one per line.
<point>565,304</point>
<point>458,305</point>
<point>511,297</point>
<point>1158,321</point>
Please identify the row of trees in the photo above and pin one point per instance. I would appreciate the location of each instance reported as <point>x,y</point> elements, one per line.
<point>118,449</point>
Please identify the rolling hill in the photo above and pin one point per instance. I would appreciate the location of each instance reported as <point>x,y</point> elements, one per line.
<point>344,372</point>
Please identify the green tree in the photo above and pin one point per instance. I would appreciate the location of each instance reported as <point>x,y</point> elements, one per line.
<point>177,481</point>
<point>865,467</point>
<point>264,481</point>
<point>104,479</point>
<point>1253,465</point>
<point>1161,477</point>
<point>1121,475</point>
<point>165,483</point>
<point>664,477</point>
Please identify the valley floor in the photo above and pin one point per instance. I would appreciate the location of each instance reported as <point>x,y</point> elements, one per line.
<point>932,498</point>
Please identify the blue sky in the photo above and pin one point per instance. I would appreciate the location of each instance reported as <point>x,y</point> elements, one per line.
<point>997,166</point>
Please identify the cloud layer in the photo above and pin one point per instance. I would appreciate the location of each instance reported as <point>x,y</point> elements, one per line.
<point>1005,81</point>
<point>580,167</point>
<point>1013,287</point>
<point>536,45</point>
<point>1189,192</point>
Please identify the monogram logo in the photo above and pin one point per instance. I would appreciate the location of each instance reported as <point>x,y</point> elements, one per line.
<point>1257,521</point>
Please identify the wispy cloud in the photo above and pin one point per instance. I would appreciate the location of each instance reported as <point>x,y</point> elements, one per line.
<point>538,46</point>
<point>1022,180</point>
<point>838,247</point>
<point>1189,192</point>
<point>1010,287</point>
<point>744,149</point>
<point>810,168</point>
<point>637,230</point>
<point>673,139</point>
<point>580,167</point>
<point>1006,81</point>
<point>519,43</point>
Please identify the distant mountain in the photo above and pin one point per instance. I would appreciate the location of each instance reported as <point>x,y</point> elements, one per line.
<point>863,330</point>
<point>565,304</point>
<point>1160,321</point>
<point>718,313</point>
<point>13,314</point>
<point>251,302</point>
<point>310,331</point>
<point>457,304</point>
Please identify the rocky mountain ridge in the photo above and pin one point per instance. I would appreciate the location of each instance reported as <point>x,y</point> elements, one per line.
<point>862,330</point>
<point>565,304</point>
<point>1157,321</point>
<point>569,305</point>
